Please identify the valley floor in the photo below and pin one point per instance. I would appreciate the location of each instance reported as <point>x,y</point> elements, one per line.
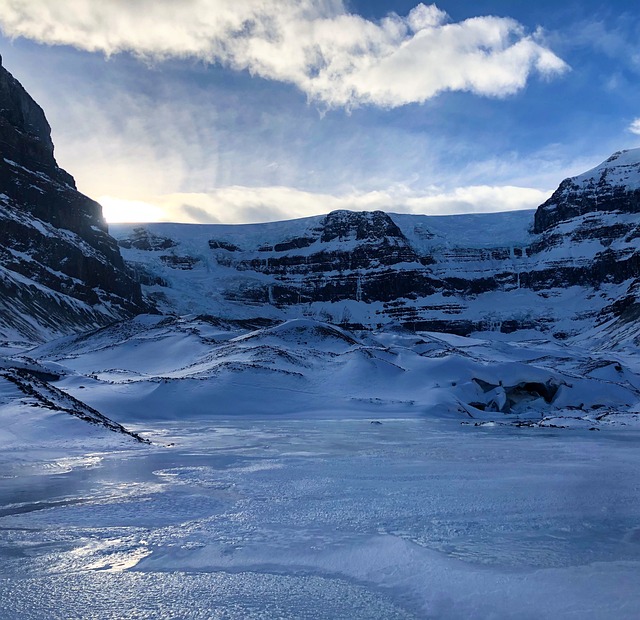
<point>325,517</point>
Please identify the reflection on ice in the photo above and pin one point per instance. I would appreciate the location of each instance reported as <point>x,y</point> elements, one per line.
<point>218,596</point>
<point>120,559</point>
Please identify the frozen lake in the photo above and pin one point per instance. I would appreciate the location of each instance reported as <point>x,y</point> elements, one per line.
<point>342,518</point>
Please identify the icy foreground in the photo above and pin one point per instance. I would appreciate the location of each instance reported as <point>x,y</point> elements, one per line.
<point>327,518</point>
<point>300,470</point>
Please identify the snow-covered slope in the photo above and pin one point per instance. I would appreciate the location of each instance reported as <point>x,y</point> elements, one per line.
<point>35,414</point>
<point>176,368</point>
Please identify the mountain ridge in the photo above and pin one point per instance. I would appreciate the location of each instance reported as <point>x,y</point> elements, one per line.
<point>570,266</point>
<point>462,273</point>
<point>357,312</point>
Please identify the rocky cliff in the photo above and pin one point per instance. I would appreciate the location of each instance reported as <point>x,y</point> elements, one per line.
<point>567,267</point>
<point>589,234</point>
<point>60,270</point>
<point>613,186</point>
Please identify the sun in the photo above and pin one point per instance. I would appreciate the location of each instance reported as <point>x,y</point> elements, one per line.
<point>119,210</point>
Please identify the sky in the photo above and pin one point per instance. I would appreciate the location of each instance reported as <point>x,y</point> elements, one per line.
<point>238,111</point>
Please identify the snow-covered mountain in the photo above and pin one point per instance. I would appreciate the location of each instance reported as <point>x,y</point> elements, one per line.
<point>566,267</point>
<point>509,319</point>
<point>613,186</point>
<point>60,271</point>
<point>292,431</point>
<point>526,316</point>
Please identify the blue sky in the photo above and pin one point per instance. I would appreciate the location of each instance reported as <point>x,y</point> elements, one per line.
<point>255,110</point>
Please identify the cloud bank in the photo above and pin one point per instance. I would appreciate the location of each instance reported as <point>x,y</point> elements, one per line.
<point>240,205</point>
<point>337,59</point>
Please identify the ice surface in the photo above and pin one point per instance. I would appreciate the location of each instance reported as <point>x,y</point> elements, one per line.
<point>300,470</point>
<point>329,517</point>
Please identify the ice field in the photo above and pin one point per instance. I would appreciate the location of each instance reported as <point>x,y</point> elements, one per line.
<point>326,517</point>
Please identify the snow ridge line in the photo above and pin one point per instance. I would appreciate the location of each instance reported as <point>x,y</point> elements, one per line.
<point>55,399</point>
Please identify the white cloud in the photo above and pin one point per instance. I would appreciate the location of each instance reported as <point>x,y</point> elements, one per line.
<point>336,58</point>
<point>259,204</point>
<point>635,127</point>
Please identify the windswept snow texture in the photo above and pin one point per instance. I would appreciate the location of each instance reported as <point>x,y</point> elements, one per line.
<point>179,368</point>
<point>327,518</point>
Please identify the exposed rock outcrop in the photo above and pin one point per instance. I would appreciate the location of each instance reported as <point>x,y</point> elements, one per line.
<point>614,185</point>
<point>60,270</point>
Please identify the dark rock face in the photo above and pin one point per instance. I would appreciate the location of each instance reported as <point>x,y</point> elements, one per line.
<point>60,270</point>
<point>350,256</point>
<point>142,239</point>
<point>25,131</point>
<point>179,262</point>
<point>214,244</point>
<point>595,216</point>
<point>371,227</point>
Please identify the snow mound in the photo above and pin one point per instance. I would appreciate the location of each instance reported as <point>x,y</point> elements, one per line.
<point>303,332</point>
<point>180,368</point>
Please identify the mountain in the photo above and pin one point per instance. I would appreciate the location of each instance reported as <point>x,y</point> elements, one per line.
<point>613,186</point>
<point>60,270</point>
<point>569,266</point>
<point>527,317</point>
<point>589,230</point>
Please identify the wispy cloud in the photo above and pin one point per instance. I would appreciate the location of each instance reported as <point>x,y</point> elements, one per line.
<point>635,127</point>
<point>336,58</point>
<point>613,37</point>
<point>259,204</point>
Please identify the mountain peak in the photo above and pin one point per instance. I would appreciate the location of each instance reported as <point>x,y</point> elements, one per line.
<point>626,156</point>
<point>359,225</point>
<point>24,129</point>
<point>613,185</point>
<point>623,168</point>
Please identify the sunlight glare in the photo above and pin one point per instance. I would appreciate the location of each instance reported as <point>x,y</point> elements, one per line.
<point>118,210</point>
